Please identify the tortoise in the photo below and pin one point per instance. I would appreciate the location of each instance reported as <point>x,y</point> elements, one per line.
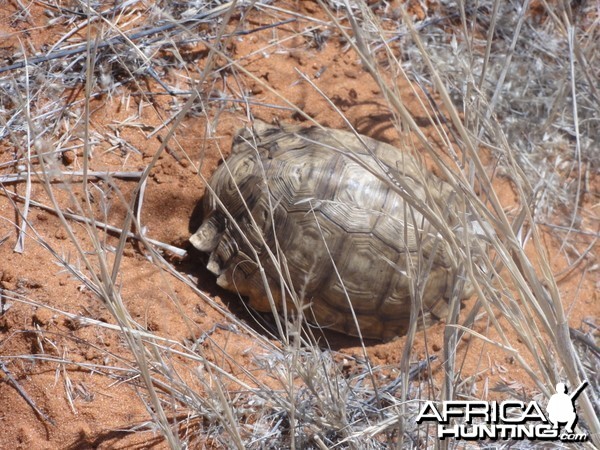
<point>332,223</point>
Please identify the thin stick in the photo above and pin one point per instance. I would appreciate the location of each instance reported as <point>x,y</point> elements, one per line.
<point>20,244</point>
<point>104,226</point>
<point>16,178</point>
<point>23,394</point>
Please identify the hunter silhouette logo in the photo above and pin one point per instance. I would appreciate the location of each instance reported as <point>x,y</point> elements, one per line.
<point>510,419</point>
<point>561,407</point>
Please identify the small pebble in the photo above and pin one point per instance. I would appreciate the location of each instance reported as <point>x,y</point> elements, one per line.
<point>68,157</point>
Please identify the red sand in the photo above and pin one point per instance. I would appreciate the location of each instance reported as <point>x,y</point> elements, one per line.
<point>101,406</point>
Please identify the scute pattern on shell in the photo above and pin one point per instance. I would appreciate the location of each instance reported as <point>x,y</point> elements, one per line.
<point>325,211</point>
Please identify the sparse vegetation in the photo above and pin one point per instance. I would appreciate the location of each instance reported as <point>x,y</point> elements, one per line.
<point>112,116</point>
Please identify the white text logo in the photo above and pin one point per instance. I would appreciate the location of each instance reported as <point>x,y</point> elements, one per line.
<point>512,419</point>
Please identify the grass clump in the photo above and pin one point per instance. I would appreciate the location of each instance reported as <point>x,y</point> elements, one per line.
<point>500,91</point>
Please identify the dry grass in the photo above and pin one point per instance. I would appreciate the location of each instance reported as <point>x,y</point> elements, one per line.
<point>506,91</point>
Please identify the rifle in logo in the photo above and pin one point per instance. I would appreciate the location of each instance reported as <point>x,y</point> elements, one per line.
<point>561,406</point>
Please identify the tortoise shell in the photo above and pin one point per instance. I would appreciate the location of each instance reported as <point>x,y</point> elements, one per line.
<point>331,223</point>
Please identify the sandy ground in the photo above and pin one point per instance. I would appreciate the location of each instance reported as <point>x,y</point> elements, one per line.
<point>68,369</point>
